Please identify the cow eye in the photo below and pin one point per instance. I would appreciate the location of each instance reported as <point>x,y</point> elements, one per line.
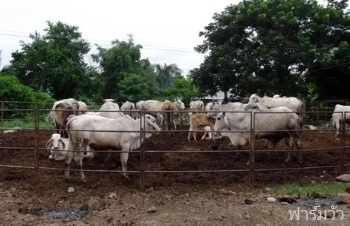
<point>218,118</point>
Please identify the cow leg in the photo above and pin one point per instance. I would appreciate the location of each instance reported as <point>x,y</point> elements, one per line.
<point>89,153</point>
<point>68,161</point>
<point>124,155</point>
<point>289,143</point>
<point>109,155</point>
<point>204,135</point>
<point>337,126</point>
<point>82,176</point>
<point>297,144</point>
<point>189,134</point>
<point>72,147</point>
<point>82,149</point>
<point>195,135</point>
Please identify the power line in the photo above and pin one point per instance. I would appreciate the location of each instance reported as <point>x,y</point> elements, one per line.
<point>13,35</point>
<point>110,45</point>
<point>324,68</point>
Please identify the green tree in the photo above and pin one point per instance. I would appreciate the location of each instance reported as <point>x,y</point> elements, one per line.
<point>332,79</point>
<point>116,62</point>
<point>12,90</point>
<point>166,74</point>
<point>148,71</point>
<point>181,87</point>
<point>134,87</point>
<point>267,46</point>
<point>52,62</point>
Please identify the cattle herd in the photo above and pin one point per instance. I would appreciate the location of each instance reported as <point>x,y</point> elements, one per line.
<point>81,130</point>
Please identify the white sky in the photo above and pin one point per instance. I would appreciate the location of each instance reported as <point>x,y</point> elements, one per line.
<point>155,24</point>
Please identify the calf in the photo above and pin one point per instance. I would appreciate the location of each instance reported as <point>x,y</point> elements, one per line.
<point>198,120</point>
<point>58,147</point>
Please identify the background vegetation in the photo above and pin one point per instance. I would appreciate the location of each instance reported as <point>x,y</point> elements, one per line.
<point>293,48</point>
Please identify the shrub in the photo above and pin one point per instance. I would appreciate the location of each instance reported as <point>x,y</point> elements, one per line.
<point>18,96</point>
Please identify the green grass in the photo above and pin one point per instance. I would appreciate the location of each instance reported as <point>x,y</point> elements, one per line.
<point>26,122</point>
<point>324,188</point>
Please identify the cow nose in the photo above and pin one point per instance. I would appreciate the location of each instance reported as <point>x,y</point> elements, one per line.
<point>55,148</point>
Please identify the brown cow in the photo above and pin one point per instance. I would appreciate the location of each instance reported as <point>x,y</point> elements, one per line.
<point>169,107</point>
<point>197,121</point>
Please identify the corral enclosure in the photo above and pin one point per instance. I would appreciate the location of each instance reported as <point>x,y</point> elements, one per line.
<point>168,157</point>
<point>167,165</point>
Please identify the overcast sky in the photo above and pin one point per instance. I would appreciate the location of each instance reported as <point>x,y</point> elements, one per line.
<point>155,24</point>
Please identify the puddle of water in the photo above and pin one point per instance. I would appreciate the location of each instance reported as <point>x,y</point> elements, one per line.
<point>70,213</point>
<point>319,201</point>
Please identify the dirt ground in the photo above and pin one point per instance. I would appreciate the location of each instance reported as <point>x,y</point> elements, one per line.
<point>168,198</point>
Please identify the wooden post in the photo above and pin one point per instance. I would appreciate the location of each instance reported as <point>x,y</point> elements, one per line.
<point>36,136</point>
<point>252,148</point>
<point>142,150</point>
<point>2,116</point>
<point>342,155</point>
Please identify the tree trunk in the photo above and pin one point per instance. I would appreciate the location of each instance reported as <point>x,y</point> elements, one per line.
<point>225,97</point>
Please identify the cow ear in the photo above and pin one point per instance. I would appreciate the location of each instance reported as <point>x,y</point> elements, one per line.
<point>223,113</point>
<point>49,144</point>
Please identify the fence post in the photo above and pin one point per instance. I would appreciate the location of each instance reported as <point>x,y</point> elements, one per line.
<point>252,148</point>
<point>342,155</point>
<point>142,150</point>
<point>36,136</point>
<point>2,116</point>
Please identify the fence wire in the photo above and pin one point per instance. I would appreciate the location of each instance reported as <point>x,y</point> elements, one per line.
<point>320,116</point>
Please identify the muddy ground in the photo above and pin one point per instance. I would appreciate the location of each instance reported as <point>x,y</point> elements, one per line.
<point>168,198</point>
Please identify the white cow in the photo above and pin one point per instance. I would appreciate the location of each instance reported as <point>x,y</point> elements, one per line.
<point>138,107</point>
<point>62,109</point>
<point>196,105</point>
<point>179,104</point>
<point>340,117</point>
<point>270,124</point>
<point>92,135</point>
<point>129,109</point>
<point>209,105</point>
<point>82,107</point>
<point>110,109</point>
<point>58,147</point>
<point>154,107</point>
<point>292,103</point>
<point>214,109</point>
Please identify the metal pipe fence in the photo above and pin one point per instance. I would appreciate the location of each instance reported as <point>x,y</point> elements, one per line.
<point>251,170</point>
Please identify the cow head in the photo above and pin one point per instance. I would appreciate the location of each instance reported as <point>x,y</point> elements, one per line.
<point>179,104</point>
<point>55,141</point>
<point>253,98</point>
<point>221,122</point>
<point>150,123</point>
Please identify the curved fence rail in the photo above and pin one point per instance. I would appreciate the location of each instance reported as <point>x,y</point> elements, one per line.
<point>35,121</point>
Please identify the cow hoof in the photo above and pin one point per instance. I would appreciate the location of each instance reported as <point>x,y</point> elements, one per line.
<point>128,178</point>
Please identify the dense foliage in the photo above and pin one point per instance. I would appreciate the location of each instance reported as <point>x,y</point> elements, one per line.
<point>11,91</point>
<point>277,46</point>
<point>54,63</point>
<point>287,47</point>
